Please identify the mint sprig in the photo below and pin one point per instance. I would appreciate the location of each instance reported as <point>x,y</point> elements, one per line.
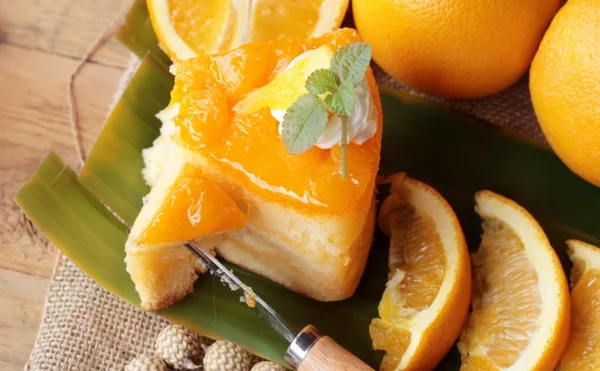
<point>332,90</point>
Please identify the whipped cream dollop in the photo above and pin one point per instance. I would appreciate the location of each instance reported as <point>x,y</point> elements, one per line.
<point>362,123</point>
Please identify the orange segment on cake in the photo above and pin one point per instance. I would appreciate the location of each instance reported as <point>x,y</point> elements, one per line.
<point>310,228</point>
<point>182,206</point>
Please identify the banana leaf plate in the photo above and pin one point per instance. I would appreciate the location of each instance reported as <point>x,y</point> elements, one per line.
<point>454,153</point>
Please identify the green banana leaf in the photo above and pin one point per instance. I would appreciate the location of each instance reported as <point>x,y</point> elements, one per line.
<point>455,154</point>
<point>112,169</point>
<point>137,33</point>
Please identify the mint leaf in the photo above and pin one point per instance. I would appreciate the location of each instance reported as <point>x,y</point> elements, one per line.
<point>342,101</point>
<point>351,62</point>
<point>322,81</point>
<point>303,123</point>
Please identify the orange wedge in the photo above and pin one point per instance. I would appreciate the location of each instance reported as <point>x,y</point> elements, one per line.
<point>426,299</point>
<point>520,317</point>
<point>287,87</point>
<point>187,28</point>
<point>184,206</point>
<point>583,351</point>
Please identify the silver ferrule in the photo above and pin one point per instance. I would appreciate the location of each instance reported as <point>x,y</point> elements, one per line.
<point>301,345</point>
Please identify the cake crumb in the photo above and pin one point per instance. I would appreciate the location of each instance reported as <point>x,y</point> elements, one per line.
<point>249,299</point>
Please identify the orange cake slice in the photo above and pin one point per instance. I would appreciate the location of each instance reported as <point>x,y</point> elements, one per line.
<point>310,228</point>
<point>182,206</point>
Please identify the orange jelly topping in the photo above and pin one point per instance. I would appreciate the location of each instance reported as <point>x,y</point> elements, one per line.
<point>249,147</point>
<point>193,207</point>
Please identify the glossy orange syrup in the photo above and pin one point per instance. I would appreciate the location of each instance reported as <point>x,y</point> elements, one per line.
<point>249,147</point>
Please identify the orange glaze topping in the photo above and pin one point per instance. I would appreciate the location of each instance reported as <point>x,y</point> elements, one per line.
<point>249,146</point>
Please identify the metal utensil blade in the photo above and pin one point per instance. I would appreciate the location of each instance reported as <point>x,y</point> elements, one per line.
<point>263,309</point>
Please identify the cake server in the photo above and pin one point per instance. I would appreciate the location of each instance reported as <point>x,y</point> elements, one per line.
<point>309,350</point>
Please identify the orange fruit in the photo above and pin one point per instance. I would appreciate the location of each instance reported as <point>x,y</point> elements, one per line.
<point>183,206</point>
<point>187,28</point>
<point>565,87</point>
<point>583,351</point>
<point>454,48</point>
<point>520,300</point>
<point>426,299</point>
<point>287,87</point>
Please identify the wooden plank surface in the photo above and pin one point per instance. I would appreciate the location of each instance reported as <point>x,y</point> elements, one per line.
<point>22,304</point>
<point>63,27</point>
<point>40,44</point>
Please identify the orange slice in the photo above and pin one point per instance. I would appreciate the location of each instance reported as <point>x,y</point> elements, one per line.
<point>288,86</point>
<point>183,206</point>
<point>520,317</point>
<point>426,299</point>
<point>187,28</point>
<point>583,351</point>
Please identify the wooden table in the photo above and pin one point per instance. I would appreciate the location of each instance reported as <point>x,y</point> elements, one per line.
<point>41,42</point>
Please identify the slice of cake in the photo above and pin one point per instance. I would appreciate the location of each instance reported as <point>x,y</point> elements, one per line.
<point>309,227</point>
<point>181,207</point>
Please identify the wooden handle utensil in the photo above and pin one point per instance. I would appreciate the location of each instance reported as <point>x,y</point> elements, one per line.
<point>311,351</point>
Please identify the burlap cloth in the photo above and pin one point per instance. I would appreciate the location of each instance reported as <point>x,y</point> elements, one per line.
<point>84,327</point>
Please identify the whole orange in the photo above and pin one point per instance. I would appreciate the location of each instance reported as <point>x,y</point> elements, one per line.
<point>454,48</point>
<point>565,87</point>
